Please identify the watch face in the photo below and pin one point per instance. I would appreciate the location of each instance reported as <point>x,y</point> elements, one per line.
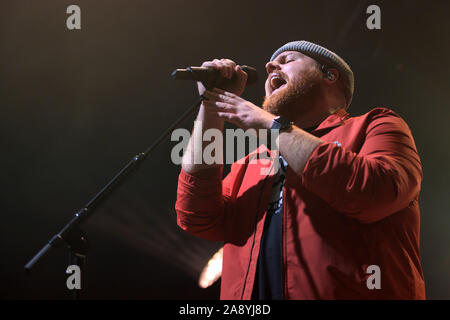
<point>281,123</point>
<point>276,125</point>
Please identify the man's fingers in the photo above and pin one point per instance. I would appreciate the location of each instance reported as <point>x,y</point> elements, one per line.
<point>230,117</point>
<point>219,96</point>
<point>225,66</point>
<point>229,66</point>
<point>241,76</point>
<point>219,106</point>
<point>216,64</point>
<point>211,64</point>
<point>219,66</point>
<point>225,95</point>
<point>220,110</point>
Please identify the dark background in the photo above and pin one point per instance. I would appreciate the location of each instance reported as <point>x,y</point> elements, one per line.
<point>77,105</point>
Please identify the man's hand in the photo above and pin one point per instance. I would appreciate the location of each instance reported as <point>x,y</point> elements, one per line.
<point>228,70</point>
<point>232,108</point>
<point>295,145</point>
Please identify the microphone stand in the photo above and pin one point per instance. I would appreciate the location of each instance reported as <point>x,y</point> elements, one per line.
<point>71,234</point>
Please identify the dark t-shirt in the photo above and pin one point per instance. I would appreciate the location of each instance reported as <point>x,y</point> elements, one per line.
<point>269,272</point>
<point>269,275</point>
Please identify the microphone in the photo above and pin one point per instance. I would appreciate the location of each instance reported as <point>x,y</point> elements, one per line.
<point>210,75</point>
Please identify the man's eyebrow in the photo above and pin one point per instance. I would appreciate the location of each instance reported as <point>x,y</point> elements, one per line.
<point>285,56</point>
<point>295,54</point>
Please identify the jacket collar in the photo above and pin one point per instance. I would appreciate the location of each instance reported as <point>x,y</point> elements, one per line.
<point>334,120</point>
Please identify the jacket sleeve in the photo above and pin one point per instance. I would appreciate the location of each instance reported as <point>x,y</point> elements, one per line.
<point>201,203</point>
<point>383,178</point>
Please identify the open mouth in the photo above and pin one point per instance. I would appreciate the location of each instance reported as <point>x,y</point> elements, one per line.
<point>277,82</point>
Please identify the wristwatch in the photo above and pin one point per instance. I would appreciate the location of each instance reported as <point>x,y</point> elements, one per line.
<point>281,123</point>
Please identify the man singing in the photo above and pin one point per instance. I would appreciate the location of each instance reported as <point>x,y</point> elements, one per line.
<point>339,219</point>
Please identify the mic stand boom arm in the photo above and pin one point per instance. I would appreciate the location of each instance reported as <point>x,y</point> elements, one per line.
<point>71,234</point>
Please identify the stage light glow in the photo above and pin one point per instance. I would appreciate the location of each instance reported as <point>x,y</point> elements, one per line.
<point>212,271</point>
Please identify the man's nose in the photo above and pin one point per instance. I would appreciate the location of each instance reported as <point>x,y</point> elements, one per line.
<point>271,66</point>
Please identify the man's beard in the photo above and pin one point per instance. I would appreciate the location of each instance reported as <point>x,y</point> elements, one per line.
<point>292,100</point>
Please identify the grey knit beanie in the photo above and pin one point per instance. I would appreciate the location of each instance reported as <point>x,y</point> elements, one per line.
<point>324,57</point>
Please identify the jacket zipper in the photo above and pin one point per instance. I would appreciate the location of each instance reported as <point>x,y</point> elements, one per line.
<point>284,249</point>
<point>254,237</point>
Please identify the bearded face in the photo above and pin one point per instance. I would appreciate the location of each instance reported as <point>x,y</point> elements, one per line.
<point>289,93</point>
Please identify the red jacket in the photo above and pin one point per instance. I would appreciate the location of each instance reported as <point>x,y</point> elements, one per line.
<point>355,205</point>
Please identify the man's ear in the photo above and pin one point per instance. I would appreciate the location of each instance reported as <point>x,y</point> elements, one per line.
<point>331,76</point>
